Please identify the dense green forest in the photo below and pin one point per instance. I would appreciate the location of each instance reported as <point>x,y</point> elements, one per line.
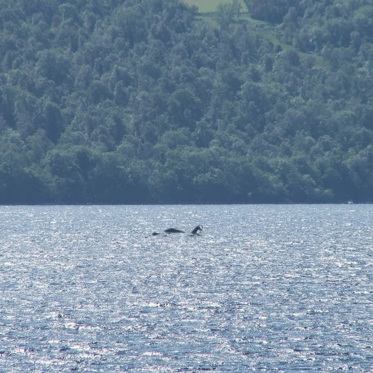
<point>149,101</point>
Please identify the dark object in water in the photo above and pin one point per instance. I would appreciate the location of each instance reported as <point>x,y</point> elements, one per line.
<point>197,229</point>
<point>173,230</point>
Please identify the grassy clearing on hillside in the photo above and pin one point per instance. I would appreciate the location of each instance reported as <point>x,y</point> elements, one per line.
<point>263,29</point>
<point>208,6</point>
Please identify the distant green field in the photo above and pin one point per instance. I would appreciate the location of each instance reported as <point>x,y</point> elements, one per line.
<point>207,6</point>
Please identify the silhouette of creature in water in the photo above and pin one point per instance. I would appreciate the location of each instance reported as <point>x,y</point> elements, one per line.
<point>196,230</point>
<point>173,230</point>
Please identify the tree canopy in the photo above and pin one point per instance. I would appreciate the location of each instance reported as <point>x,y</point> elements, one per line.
<point>148,101</point>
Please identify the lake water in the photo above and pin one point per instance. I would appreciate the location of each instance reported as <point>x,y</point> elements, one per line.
<point>264,288</point>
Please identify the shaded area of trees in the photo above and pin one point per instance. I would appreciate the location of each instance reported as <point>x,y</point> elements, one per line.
<point>146,102</point>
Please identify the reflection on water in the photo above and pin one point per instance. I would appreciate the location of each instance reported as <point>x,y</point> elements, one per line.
<point>264,288</point>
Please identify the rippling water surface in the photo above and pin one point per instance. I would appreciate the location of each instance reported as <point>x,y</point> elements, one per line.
<point>263,288</point>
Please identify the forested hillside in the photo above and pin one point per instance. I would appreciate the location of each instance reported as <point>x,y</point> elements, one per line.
<point>148,101</point>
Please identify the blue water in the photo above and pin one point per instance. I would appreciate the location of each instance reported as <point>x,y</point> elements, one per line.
<point>263,288</point>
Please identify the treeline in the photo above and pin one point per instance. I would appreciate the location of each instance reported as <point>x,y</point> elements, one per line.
<point>146,101</point>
